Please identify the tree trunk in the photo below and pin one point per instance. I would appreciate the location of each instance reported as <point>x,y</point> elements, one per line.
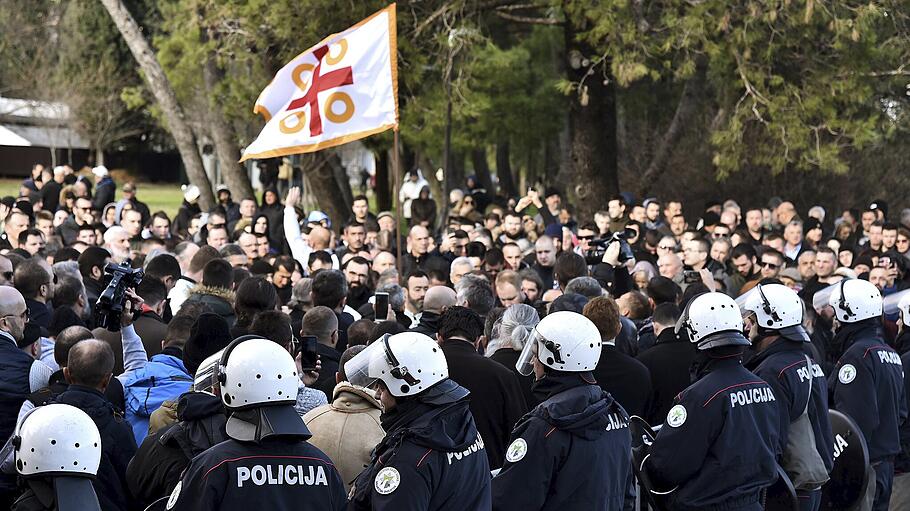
<point>223,135</point>
<point>341,180</point>
<point>482,170</point>
<point>383,182</point>
<point>164,95</point>
<point>323,185</point>
<point>504,169</point>
<point>592,132</point>
<point>682,120</point>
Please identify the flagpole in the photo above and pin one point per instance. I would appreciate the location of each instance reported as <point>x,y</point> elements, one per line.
<point>397,169</point>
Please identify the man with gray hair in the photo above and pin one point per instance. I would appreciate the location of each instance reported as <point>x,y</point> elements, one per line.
<point>476,294</point>
<point>117,242</point>
<point>322,323</point>
<point>459,268</point>
<point>585,286</point>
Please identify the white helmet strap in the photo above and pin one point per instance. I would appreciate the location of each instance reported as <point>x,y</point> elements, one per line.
<point>397,370</point>
<point>842,302</point>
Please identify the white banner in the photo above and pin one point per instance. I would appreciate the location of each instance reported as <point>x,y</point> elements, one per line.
<point>342,89</point>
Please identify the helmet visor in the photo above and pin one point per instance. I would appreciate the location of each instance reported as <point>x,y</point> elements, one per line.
<point>366,367</point>
<point>891,303</point>
<point>525,364</point>
<point>744,299</point>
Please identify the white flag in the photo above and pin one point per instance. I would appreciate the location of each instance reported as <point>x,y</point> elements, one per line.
<point>342,89</point>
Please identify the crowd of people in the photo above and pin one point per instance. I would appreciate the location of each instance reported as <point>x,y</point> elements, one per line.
<point>511,336</point>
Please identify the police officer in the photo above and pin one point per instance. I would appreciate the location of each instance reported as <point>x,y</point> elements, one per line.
<point>867,382</point>
<point>573,451</point>
<point>57,450</point>
<point>266,463</point>
<point>718,446</point>
<point>432,457</point>
<point>774,315</point>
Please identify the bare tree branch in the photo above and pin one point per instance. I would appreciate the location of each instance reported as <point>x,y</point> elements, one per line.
<point>528,20</point>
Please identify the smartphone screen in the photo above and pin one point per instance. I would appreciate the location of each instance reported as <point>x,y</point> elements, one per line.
<point>308,353</point>
<point>381,306</point>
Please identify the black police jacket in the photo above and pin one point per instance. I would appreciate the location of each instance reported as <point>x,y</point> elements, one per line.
<point>573,451</point>
<point>783,366</point>
<point>431,459</point>
<point>277,474</point>
<point>868,385</point>
<point>720,441</point>
<point>161,459</point>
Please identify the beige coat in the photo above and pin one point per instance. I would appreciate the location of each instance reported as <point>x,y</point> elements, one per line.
<point>347,429</point>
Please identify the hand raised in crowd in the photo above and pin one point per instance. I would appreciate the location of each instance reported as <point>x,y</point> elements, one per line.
<point>131,306</point>
<point>293,197</point>
<point>611,254</point>
<point>309,377</point>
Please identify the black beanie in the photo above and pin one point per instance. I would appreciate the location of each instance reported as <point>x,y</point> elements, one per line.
<point>209,335</point>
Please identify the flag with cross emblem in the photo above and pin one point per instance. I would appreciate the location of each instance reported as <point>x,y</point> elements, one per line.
<point>342,89</point>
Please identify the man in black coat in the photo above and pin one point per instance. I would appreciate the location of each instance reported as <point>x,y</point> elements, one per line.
<point>625,378</point>
<point>497,401</point>
<point>668,362</point>
<point>89,369</point>
<point>322,323</point>
<point>437,299</point>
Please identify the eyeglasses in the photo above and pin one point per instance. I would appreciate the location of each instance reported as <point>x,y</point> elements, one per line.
<point>901,242</point>
<point>667,247</point>
<point>770,265</point>
<point>586,238</point>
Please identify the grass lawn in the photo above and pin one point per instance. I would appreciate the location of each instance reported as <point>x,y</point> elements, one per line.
<point>167,197</point>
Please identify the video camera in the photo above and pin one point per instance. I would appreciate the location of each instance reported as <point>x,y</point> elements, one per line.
<point>595,254</point>
<point>109,307</point>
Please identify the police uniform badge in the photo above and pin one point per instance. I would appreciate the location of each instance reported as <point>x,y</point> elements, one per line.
<point>676,417</point>
<point>387,480</point>
<point>517,450</point>
<point>846,374</point>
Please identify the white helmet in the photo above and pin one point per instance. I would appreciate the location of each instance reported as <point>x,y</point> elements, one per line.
<point>565,341</point>
<point>257,372</point>
<point>709,314</point>
<point>408,363</point>
<point>776,307</point>
<point>904,306</point>
<point>855,300</point>
<point>57,439</point>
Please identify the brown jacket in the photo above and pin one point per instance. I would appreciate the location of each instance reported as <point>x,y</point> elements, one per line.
<point>347,429</point>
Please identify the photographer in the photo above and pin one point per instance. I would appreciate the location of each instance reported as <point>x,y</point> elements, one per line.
<point>611,269</point>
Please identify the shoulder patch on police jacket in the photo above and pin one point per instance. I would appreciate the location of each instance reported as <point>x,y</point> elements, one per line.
<point>676,417</point>
<point>174,495</point>
<point>387,480</point>
<point>517,450</point>
<point>846,374</point>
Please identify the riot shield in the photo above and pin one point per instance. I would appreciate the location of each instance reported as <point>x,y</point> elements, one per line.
<point>642,437</point>
<point>845,490</point>
<point>781,496</point>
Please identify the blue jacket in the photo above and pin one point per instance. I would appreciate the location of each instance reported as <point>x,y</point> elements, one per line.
<point>145,389</point>
<point>573,451</point>
<point>868,385</point>
<point>720,441</point>
<point>15,366</point>
<point>783,366</point>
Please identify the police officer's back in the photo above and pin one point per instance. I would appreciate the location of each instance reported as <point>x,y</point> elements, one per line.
<point>57,450</point>
<point>266,463</point>
<point>867,382</point>
<point>774,323</point>
<point>432,457</point>
<point>719,443</point>
<point>573,450</point>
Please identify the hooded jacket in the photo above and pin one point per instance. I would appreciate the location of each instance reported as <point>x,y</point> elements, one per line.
<point>155,470</point>
<point>347,429</point>
<point>431,459</point>
<point>219,299</point>
<point>573,451</point>
<point>117,446</point>
<point>146,389</point>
